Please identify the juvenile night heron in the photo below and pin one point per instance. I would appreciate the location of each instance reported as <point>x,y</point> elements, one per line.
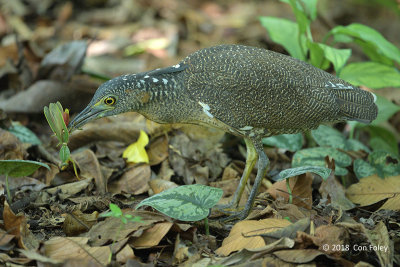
<point>246,91</point>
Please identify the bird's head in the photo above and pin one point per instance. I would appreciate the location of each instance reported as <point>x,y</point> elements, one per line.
<point>113,97</point>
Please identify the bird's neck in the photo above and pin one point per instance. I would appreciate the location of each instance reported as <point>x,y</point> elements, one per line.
<point>162,97</point>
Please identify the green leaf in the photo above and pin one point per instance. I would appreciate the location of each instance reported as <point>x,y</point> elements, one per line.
<point>382,163</point>
<point>19,168</point>
<point>382,139</point>
<point>338,57</point>
<point>291,142</point>
<point>317,56</point>
<point>24,134</point>
<point>286,33</point>
<point>64,153</point>
<point>363,169</point>
<point>185,203</point>
<point>327,136</point>
<point>316,157</point>
<point>308,7</point>
<point>371,74</point>
<point>386,110</point>
<point>374,55</point>
<point>372,36</point>
<point>117,212</point>
<point>321,171</point>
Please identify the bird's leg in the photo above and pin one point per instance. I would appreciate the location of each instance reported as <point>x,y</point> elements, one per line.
<point>263,163</point>
<point>251,159</point>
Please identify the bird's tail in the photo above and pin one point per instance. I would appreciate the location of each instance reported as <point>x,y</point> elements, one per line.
<point>356,104</point>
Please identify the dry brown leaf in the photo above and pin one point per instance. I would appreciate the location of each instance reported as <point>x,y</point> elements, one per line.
<point>379,238</point>
<point>152,236</point>
<point>134,181</point>
<point>67,190</point>
<point>237,240</point>
<point>301,190</point>
<point>298,255</point>
<point>107,230</point>
<point>10,146</point>
<point>373,189</point>
<point>327,238</point>
<point>63,248</point>
<point>78,222</point>
<point>159,185</point>
<point>158,150</point>
<point>90,168</point>
<point>125,254</point>
<point>17,226</point>
<point>332,188</point>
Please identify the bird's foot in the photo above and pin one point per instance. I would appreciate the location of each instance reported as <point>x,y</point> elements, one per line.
<point>233,212</point>
<point>235,216</point>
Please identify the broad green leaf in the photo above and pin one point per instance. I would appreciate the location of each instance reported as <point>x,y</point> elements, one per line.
<point>301,18</point>
<point>321,171</point>
<point>136,152</point>
<point>185,203</point>
<point>338,57</point>
<point>316,157</point>
<point>308,7</point>
<point>327,136</point>
<point>19,168</point>
<point>363,169</point>
<point>373,54</point>
<point>291,142</point>
<point>24,134</point>
<point>286,33</point>
<point>386,110</point>
<point>372,36</point>
<point>317,56</point>
<point>382,139</point>
<point>380,162</point>
<point>371,74</point>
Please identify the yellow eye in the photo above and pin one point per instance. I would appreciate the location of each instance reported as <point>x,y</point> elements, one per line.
<point>109,100</point>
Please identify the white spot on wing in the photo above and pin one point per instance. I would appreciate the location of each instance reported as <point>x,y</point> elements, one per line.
<point>374,95</point>
<point>147,76</point>
<point>142,81</point>
<point>155,80</point>
<point>176,66</point>
<point>206,109</point>
<point>165,81</point>
<point>338,86</point>
<point>246,128</point>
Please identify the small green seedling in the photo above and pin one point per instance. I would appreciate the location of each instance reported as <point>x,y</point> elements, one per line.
<point>116,212</point>
<point>58,120</point>
<point>18,168</point>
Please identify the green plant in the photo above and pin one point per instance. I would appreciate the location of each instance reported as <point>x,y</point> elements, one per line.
<point>58,120</point>
<point>116,212</point>
<point>379,72</point>
<point>186,202</point>
<point>18,168</point>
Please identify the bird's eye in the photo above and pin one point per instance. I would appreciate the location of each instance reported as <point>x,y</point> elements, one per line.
<point>109,100</point>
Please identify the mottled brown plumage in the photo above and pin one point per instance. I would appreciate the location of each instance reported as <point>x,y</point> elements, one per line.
<point>247,91</point>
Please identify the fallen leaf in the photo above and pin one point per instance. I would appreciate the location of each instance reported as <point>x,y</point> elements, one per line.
<point>334,190</point>
<point>301,190</point>
<point>152,236</point>
<point>134,181</point>
<point>125,254</point>
<point>136,152</point>
<point>373,189</point>
<point>63,248</point>
<point>159,185</point>
<point>237,239</point>
<point>158,150</point>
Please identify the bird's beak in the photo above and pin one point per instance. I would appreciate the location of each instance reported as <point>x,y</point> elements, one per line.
<point>88,114</point>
